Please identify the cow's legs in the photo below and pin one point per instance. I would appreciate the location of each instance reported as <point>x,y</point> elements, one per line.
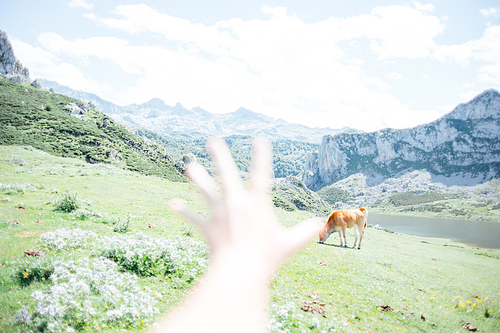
<point>361,238</point>
<point>344,231</point>
<point>340,236</point>
<point>356,235</point>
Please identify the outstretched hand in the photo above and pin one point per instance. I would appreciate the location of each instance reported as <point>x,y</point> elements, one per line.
<point>247,243</point>
<point>244,224</point>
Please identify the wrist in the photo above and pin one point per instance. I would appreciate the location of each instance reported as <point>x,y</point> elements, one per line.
<point>243,264</point>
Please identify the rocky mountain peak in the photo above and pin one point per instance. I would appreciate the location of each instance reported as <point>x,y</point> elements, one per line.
<point>156,103</point>
<point>246,115</point>
<point>10,67</point>
<point>9,64</point>
<point>484,105</point>
<point>179,110</point>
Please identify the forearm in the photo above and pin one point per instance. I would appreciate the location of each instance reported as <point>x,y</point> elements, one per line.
<point>232,297</point>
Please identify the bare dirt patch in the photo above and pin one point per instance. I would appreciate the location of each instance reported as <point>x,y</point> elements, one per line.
<point>28,234</point>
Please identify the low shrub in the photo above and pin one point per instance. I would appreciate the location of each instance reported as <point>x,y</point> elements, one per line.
<point>67,202</point>
<point>31,269</point>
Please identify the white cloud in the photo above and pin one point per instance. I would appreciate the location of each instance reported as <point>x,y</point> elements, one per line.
<point>280,66</point>
<point>107,48</point>
<point>393,76</point>
<point>485,50</point>
<point>80,4</point>
<point>490,12</point>
<point>424,8</point>
<point>44,64</point>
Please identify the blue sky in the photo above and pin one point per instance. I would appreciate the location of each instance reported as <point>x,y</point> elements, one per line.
<point>363,64</point>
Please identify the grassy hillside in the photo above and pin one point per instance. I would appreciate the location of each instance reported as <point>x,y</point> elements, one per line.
<point>39,118</point>
<point>395,283</point>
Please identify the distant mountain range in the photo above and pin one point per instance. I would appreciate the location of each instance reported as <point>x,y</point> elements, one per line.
<point>179,122</point>
<point>461,148</point>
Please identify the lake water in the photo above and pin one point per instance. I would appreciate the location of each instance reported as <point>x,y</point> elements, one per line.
<point>481,234</point>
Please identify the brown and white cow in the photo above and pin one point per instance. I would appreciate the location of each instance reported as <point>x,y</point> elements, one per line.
<point>342,219</point>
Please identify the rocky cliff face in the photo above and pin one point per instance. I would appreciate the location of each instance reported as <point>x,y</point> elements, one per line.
<point>10,67</point>
<point>461,148</point>
<point>9,64</point>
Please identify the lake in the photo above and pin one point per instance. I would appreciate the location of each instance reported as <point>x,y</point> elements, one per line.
<point>481,234</point>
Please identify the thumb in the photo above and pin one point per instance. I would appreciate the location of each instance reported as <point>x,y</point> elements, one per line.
<point>299,235</point>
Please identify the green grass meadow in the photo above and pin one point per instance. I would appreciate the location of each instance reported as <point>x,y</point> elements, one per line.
<point>429,284</point>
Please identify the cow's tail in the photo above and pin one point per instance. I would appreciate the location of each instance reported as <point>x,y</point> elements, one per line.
<point>365,212</point>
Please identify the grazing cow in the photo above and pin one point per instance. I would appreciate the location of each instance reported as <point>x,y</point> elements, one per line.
<point>342,219</point>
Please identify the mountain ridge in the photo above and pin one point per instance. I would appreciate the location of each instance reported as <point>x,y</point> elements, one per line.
<point>197,122</point>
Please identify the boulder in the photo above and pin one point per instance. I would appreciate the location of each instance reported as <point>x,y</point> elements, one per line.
<point>37,84</point>
<point>84,106</point>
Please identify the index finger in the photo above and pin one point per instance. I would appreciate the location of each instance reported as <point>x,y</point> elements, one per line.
<point>226,169</point>
<point>261,170</point>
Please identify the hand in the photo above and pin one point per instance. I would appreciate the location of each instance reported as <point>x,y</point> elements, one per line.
<point>247,243</point>
<point>244,225</point>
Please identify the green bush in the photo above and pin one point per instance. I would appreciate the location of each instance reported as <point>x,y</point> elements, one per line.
<point>33,269</point>
<point>67,202</point>
<point>49,107</point>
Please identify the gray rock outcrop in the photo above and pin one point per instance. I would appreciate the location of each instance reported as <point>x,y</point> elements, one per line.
<point>78,109</point>
<point>9,64</point>
<point>10,67</point>
<point>37,84</point>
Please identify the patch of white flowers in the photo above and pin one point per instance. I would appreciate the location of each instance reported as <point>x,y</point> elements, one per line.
<point>67,239</point>
<point>20,188</point>
<point>147,256</point>
<point>85,214</point>
<point>90,294</point>
<point>281,319</point>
